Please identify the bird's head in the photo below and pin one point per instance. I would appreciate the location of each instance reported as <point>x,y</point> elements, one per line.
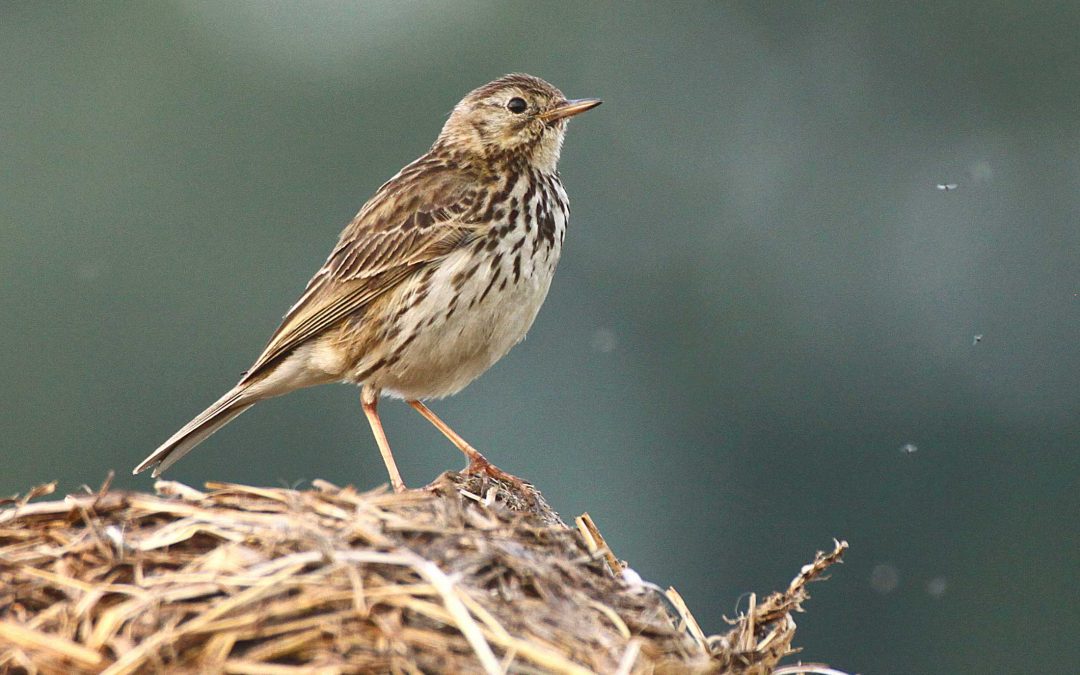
<point>515,118</point>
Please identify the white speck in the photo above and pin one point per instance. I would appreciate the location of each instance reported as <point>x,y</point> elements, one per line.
<point>631,577</point>
<point>884,579</point>
<point>947,187</point>
<point>936,587</point>
<point>116,535</point>
<point>603,341</point>
<point>638,585</point>
<point>976,339</point>
<point>909,448</point>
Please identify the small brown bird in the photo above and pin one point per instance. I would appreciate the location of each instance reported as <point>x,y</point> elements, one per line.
<point>440,273</point>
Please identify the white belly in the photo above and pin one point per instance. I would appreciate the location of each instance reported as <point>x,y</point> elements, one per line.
<point>453,351</point>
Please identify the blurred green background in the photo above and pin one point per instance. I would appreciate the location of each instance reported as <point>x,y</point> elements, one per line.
<point>763,295</point>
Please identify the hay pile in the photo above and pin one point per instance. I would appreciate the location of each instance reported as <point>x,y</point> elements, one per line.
<point>470,575</point>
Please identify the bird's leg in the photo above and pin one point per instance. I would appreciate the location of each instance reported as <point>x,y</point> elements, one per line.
<point>474,456</point>
<point>478,464</point>
<point>369,400</point>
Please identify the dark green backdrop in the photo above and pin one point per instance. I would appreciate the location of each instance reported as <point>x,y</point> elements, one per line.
<point>763,295</point>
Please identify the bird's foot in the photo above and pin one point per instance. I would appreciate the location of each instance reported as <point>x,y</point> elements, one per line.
<point>480,466</point>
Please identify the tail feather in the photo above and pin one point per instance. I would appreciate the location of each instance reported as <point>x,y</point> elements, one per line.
<point>223,411</point>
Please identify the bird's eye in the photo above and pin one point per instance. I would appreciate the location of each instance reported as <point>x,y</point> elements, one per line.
<point>517,105</point>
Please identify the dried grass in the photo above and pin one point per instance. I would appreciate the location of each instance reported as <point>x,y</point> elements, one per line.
<point>470,575</point>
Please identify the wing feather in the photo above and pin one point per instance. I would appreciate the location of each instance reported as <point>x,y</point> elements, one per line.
<point>414,219</point>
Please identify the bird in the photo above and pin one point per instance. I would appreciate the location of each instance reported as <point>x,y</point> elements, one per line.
<point>434,280</point>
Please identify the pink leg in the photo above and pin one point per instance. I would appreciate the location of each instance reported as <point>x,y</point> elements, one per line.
<point>369,400</point>
<point>477,462</point>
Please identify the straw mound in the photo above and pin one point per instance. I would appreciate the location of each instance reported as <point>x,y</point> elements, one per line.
<point>469,575</point>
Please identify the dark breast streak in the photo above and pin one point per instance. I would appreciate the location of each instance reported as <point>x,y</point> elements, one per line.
<point>519,221</point>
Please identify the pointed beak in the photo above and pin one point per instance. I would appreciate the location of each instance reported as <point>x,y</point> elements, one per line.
<point>569,109</point>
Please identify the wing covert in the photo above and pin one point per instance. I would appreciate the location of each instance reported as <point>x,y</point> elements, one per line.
<point>417,217</point>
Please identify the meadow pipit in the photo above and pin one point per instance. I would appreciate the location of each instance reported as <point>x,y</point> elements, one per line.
<point>436,278</point>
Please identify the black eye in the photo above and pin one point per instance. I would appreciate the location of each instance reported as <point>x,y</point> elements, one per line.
<point>517,105</point>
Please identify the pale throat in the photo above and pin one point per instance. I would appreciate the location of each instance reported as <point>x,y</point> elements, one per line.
<point>545,156</point>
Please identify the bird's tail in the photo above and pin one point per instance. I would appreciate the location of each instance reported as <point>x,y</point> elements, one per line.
<point>223,411</point>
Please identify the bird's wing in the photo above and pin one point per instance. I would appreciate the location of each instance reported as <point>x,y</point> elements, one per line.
<point>415,218</point>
